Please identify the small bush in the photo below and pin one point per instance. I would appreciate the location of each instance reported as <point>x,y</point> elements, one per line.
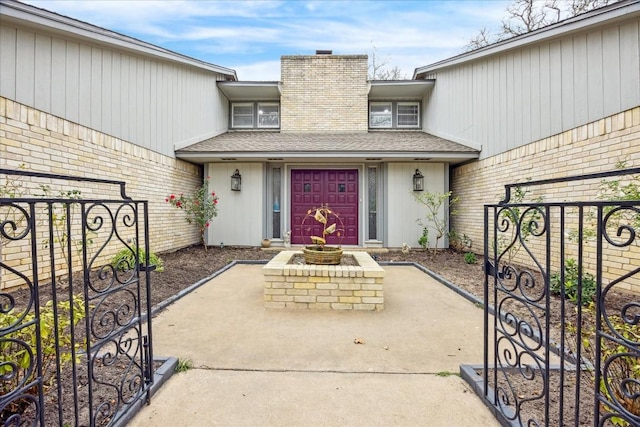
<point>184,365</point>
<point>470,258</point>
<point>571,283</point>
<point>125,259</point>
<point>622,369</point>
<point>17,363</point>
<point>423,240</point>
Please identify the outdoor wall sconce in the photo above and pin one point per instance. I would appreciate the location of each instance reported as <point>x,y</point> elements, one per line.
<point>418,181</point>
<point>236,181</point>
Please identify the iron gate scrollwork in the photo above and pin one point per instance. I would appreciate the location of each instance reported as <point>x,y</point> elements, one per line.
<point>75,335</point>
<point>563,347</point>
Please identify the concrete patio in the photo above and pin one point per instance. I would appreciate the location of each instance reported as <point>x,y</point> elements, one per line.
<point>280,367</point>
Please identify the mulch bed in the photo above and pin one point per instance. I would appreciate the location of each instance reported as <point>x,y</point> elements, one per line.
<point>187,266</point>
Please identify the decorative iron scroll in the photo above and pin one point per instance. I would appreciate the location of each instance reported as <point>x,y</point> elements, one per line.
<point>75,344</point>
<point>564,345</point>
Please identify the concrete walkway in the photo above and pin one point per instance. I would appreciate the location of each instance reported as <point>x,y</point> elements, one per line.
<point>258,367</point>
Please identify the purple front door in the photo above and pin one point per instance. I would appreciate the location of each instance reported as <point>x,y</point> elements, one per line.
<point>312,188</point>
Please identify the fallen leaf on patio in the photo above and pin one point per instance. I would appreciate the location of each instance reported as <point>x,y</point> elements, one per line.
<point>358,341</point>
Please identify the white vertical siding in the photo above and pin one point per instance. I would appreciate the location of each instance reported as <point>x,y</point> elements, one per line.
<point>629,64</point>
<point>527,94</point>
<point>532,109</point>
<point>105,92</point>
<point>580,81</point>
<point>154,104</point>
<point>84,85</point>
<point>611,61</point>
<point>595,75</point>
<point>97,83</point>
<point>240,213</point>
<point>72,89</point>
<point>8,62</point>
<point>42,70</point>
<point>25,66</point>
<point>403,209</point>
<point>58,75</point>
<point>556,99</point>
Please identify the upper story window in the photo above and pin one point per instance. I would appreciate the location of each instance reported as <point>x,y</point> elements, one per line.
<point>268,115</point>
<point>380,115</point>
<point>408,114</point>
<point>389,115</point>
<point>252,115</point>
<point>242,115</point>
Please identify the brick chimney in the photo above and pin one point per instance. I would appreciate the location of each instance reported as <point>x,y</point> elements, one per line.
<point>324,93</point>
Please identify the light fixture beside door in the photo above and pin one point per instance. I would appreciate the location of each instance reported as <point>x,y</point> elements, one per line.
<point>236,181</point>
<point>418,181</point>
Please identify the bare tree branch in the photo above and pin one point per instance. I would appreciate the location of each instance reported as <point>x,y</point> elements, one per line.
<point>482,39</point>
<point>378,68</point>
<point>524,16</point>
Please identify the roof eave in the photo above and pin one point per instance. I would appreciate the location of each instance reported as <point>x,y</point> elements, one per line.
<point>615,12</point>
<point>246,90</point>
<point>201,157</point>
<point>406,89</point>
<point>29,16</point>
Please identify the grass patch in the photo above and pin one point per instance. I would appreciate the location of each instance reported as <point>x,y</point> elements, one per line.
<point>184,365</point>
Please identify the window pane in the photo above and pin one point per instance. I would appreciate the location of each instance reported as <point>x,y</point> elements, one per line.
<point>408,114</point>
<point>373,210</point>
<point>381,108</point>
<point>242,121</point>
<point>380,115</point>
<point>275,177</point>
<point>242,115</point>
<point>243,110</point>
<point>268,116</point>
<point>380,121</point>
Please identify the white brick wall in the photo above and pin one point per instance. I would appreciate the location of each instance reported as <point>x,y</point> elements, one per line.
<point>324,93</point>
<point>46,143</point>
<point>594,147</point>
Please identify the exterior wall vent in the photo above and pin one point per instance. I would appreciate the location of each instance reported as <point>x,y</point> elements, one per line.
<point>324,52</point>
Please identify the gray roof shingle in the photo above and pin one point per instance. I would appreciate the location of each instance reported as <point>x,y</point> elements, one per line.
<point>371,142</point>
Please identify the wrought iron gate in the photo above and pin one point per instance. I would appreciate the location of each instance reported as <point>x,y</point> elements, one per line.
<point>564,345</point>
<point>75,340</point>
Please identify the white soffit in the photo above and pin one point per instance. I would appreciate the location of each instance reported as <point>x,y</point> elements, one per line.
<point>250,91</point>
<point>399,89</point>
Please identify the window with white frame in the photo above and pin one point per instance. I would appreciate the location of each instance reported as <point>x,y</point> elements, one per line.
<point>380,115</point>
<point>242,115</point>
<point>394,114</point>
<point>408,114</point>
<point>268,115</point>
<point>255,115</point>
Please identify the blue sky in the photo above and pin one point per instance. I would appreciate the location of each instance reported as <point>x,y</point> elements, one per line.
<point>250,36</point>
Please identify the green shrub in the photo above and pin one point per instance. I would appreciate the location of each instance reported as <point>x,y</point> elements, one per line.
<point>423,241</point>
<point>125,259</point>
<point>623,367</point>
<point>184,365</point>
<point>470,258</point>
<point>433,217</point>
<point>12,353</point>
<point>571,283</point>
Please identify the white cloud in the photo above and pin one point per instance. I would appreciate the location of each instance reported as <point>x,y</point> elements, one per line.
<point>254,34</point>
<point>268,71</point>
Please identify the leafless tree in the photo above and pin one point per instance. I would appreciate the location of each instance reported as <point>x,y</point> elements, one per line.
<point>393,73</point>
<point>524,16</point>
<point>379,68</point>
<point>481,39</point>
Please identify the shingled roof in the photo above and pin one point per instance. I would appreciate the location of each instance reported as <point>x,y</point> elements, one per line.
<point>369,144</point>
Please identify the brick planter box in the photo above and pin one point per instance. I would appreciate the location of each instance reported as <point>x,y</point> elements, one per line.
<point>323,287</point>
